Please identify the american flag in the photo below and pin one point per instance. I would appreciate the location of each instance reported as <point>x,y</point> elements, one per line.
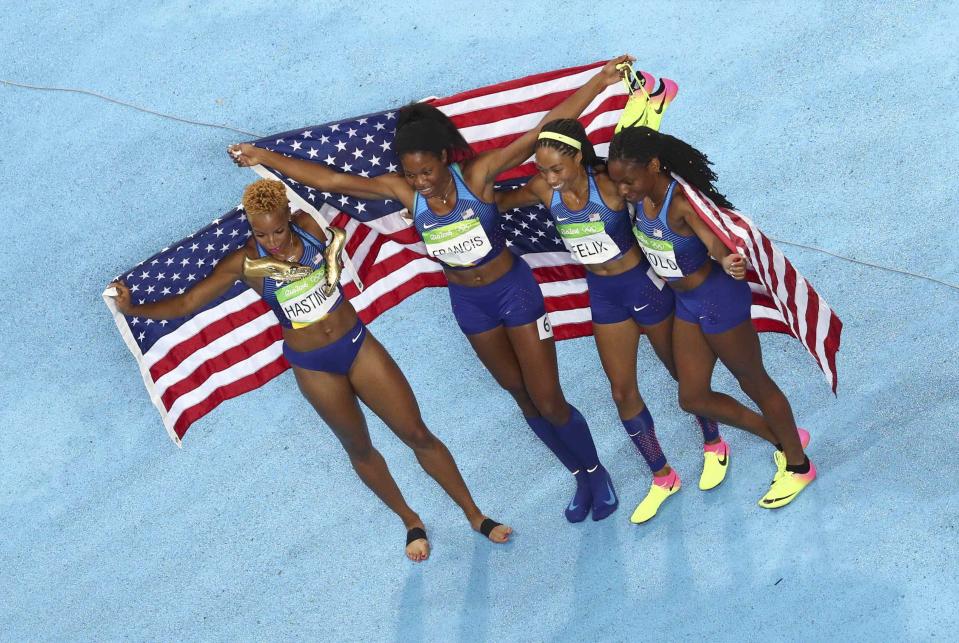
<point>389,261</point>
<point>190,365</point>
<point>783,300</point>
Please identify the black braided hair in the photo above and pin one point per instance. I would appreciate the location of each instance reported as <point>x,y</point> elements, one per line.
<point>643,144</point>
<point>420,127</point>
<point>574,129</point>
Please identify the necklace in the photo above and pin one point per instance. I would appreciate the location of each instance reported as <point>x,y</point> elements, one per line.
<point>659,202</point>
<point>446,192</point>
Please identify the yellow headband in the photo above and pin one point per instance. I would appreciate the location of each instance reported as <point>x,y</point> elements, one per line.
<point>562,138</point>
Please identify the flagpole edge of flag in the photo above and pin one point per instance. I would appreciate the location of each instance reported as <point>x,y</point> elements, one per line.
<point>127,335</point>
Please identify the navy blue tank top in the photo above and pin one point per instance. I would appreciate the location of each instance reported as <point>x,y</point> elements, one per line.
<point>673,256</point>
<point>469,236</point>
<point>300,303</point>
<point>594,234</point>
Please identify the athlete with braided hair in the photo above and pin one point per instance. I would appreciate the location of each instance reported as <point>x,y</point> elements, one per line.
<point>626,297</point>
<point>497,303</point>
<point>712,299</point>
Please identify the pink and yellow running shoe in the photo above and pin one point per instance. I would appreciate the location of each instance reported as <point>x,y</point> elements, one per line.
<point>715,465</point>
<point>786,485</point>
<point>645,106</point>
<point>662,488</point>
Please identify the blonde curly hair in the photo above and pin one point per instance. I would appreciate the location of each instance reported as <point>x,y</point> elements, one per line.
<point>264,196</point>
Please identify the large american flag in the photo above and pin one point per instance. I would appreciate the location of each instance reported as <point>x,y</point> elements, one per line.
<point>191,365</point>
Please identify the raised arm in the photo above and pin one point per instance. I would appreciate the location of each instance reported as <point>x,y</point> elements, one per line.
<point>218,282</point>
<point>489,165</point>
<point>321,177</point>
<point>535,191</point>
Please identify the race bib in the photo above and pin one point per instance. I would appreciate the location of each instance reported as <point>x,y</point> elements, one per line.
<point>544,327</point>
<point>460,244</point>
<point>303,301</point>
<point>660,255</point>
<point>588,242</point>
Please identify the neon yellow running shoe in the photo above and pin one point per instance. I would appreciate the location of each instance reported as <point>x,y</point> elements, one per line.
<point>645,105</point>
<point>715,465</point>
<point>661,489</point>
<point>786,485</point>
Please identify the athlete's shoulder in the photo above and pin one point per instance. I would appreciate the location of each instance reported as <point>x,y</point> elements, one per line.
<point>305,221</point>
<point>608,190</point>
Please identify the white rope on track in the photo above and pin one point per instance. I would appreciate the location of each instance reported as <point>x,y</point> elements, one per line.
<point>254,135</point>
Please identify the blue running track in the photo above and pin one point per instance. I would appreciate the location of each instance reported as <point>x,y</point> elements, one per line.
<point>833,124</point>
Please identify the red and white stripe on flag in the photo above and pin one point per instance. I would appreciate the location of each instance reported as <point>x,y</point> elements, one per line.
<point>490,117</point>
<point>783,300</point>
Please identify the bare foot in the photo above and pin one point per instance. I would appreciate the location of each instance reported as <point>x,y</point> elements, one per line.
<point>417,550</point>
<point>499,533</point>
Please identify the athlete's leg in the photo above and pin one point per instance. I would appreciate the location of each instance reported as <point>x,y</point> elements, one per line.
<point>617,344</point>
<point>495,351</point>
<point>740,351</point>
<point>661,337</point>
<point>695,361</point>
<point>537,361</point>
<point>381,385</point>
<point>334,399</point>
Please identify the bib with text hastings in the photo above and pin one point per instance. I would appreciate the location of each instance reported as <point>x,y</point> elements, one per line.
<point>660,255</point>
<point>462,244</point>
<point>588,242</point>
<point>303,301</point>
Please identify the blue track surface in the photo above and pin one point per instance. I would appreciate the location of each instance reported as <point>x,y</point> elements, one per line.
<point>831,126</point>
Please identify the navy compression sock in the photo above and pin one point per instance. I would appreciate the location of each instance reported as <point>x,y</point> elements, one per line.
<point>710,428</point>
<point>576,436</point>
<point>642,431</point>
<point>547,434</point>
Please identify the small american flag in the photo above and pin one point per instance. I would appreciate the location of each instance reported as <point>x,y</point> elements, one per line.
<point>783,300</point>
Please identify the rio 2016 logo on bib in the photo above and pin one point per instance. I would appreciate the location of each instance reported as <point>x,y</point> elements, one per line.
<point>463,243</point>
<point>588,242</point>
<point>303,301</point>
<point>660,254</point>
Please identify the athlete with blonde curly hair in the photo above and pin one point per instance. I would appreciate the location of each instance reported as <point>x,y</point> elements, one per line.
<point>336,361</point>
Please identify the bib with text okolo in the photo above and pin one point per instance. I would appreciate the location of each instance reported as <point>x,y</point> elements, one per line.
<point>303,301</point>
<point>463,243</point>
<point>588,242</point>
<point>660,255</point>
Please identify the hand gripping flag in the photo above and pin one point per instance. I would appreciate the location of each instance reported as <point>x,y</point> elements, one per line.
<point>783,301</point>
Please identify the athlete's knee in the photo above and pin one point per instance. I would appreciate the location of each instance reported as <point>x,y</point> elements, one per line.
<point>418,438</point>
<point>554,408</point>
<point>359,451</point>
<point>625,396</point>
<point>692,400</point>
<point>517,389</point>
<point>757,385</point>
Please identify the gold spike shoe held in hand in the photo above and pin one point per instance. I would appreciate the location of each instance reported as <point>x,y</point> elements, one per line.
<point>275,269</point>
<point>334,265</point>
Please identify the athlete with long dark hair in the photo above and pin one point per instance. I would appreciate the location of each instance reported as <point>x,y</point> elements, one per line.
<point>712,299</point>
<point>448,191</point>
<point>626,298</point>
